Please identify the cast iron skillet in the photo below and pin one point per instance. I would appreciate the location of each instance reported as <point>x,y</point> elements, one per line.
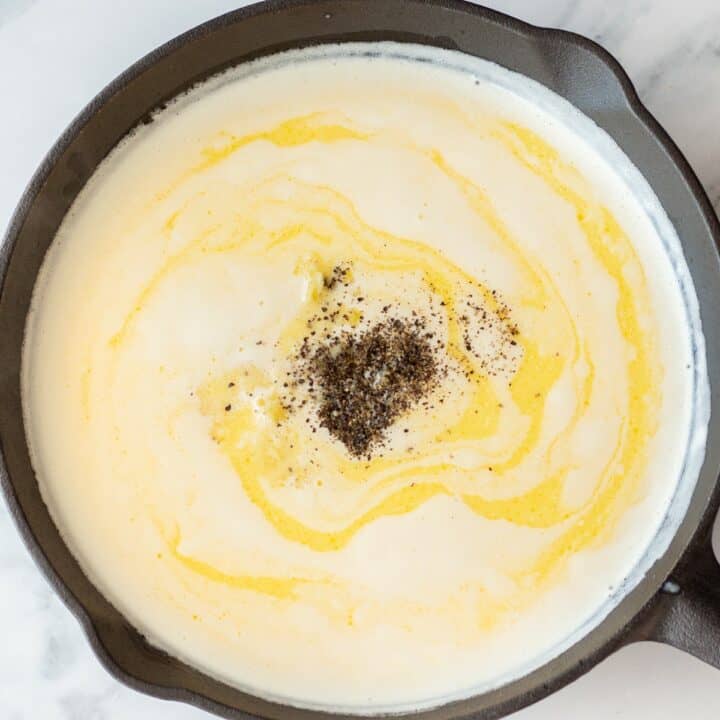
<point>677,602</point>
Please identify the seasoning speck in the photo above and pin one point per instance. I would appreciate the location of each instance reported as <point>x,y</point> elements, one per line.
<point>368,379</point>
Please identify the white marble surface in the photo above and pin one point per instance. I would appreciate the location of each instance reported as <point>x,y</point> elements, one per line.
<point>56,54</point>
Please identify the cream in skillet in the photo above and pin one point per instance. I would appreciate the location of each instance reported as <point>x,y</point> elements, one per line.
<point>358,381</point>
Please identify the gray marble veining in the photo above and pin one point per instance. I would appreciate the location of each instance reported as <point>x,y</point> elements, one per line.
<point>55,54</point>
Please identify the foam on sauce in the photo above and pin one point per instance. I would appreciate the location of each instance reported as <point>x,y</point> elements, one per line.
<point>239,533</point>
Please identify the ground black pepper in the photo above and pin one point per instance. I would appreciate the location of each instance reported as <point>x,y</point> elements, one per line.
<point>367,380</point>
<point>360,376</point>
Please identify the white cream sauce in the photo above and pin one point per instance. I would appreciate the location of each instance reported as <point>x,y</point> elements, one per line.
<point>480,540</point>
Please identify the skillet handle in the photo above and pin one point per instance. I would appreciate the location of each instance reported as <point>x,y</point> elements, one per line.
<point>687,612</point>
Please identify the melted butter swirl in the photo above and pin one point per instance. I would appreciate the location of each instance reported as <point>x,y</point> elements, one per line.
<point>515,468</point>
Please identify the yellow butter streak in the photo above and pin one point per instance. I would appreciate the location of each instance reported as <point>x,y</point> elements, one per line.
<point>291,133</point>
<point>278,587</point>
<point>614,251</point>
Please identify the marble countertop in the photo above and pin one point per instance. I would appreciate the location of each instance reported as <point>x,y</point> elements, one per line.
<point>56,54</point>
